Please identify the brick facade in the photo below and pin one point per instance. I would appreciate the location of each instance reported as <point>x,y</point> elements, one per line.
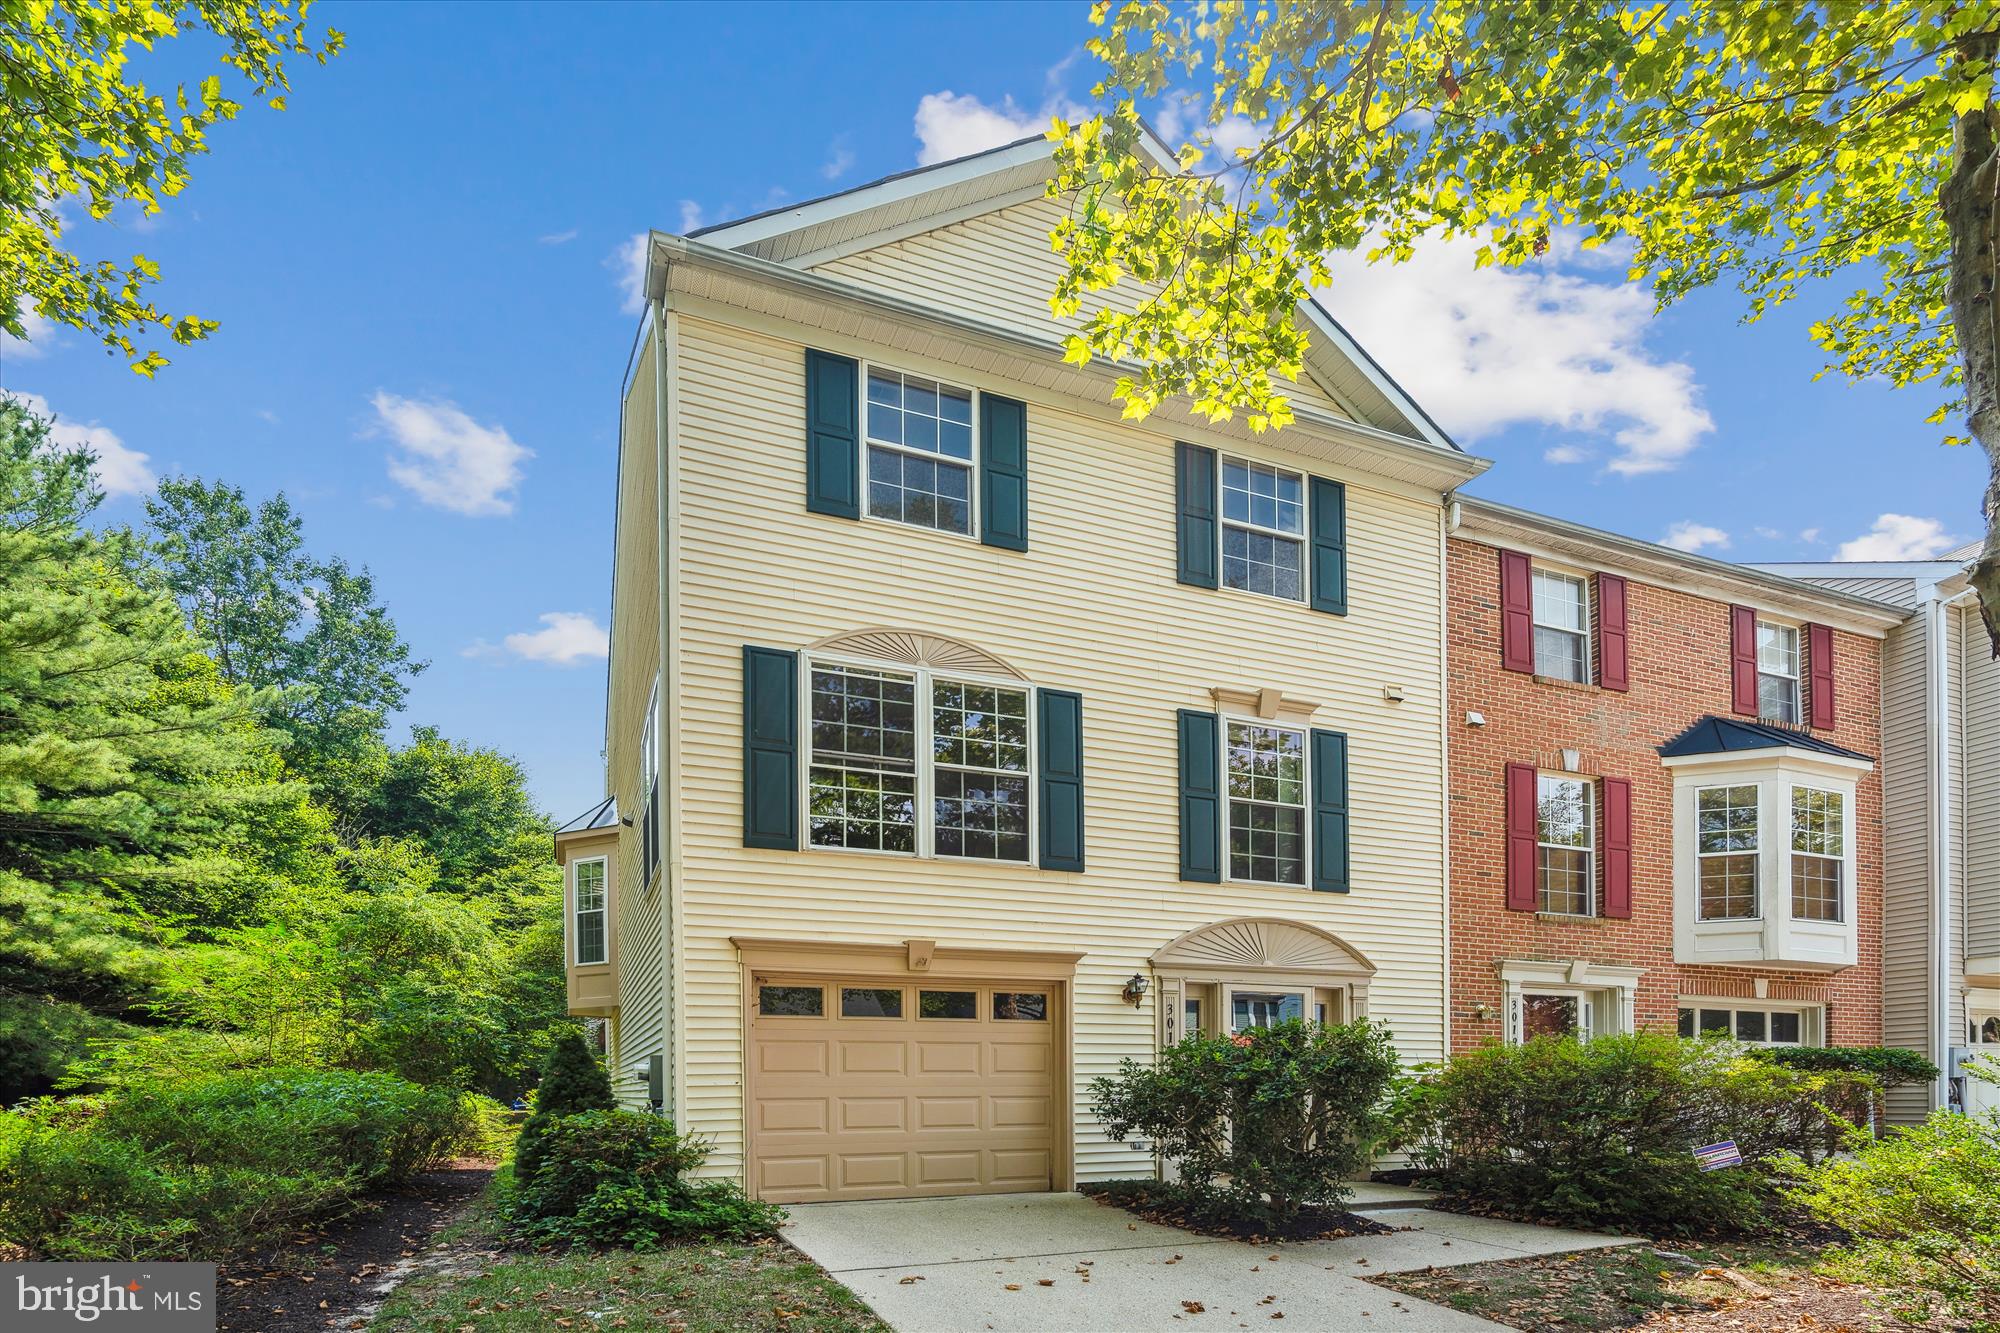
<point>1679,671</point>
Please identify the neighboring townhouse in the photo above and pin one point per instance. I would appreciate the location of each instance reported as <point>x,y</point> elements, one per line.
<point>963,738</point>
<point>1666,797</point>
<point>1941,799</point>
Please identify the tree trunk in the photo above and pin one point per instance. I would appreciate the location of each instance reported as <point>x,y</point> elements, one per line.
<point>1969,201</point>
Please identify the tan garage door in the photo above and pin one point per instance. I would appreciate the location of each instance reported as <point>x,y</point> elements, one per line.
<point>874,1089</point>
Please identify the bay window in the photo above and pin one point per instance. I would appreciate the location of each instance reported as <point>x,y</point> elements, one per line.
<point>1726,842</point>
<point>1819,840</point>
<point>587,911</point>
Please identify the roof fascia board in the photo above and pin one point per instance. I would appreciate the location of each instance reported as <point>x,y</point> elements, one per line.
<point>916,227</point>
<point>1916,571</point>
<point>906,186</point>
<point>1330,328</point>
<point>668,250</point>
<point>1680,571</point>
<point>1786,757</point>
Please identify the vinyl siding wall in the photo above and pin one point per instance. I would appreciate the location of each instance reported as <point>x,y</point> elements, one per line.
<point>1000,267</point>
<point>1978,818</point>
<point>1091,606</point>
<point>640,1030</point>
<point>1906,861</point>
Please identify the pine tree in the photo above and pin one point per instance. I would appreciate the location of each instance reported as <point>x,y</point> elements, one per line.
<point>572,1081</point>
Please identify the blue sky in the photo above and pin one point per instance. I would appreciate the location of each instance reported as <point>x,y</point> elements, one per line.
<point>419,269</point>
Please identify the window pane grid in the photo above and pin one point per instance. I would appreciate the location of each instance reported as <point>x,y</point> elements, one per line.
<point>979,741</point>
<point>1566,846</point>
<point>1263,530</point>
<point>1267,794</point>
<point>1726,844</point>
<point>1761,1027</point>
<point>862,784</point>
<point>1777,672</point>
<point>589,907</point>
<point>1562,623</point>
<point>919,451</point>
<point>1819,843</point>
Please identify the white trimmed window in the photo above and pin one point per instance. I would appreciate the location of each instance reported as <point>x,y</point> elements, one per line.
<point>921,451</point>
<point>1819,854</point>
<point>1726,852</point>
<point>587,900</point>
<point>1562,626</point>
<point>1263,529</point>
<point>1761,1025</point>
<point>1566,846</point>
<point>1265,767</point>
<point>916,763</point>
<point>1777,671</point>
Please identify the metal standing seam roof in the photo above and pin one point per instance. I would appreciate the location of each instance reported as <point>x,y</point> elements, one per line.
<point>602,815</point>
<point>1726,735</point>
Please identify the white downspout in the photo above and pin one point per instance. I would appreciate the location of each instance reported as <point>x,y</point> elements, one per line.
<point>1937,625</point>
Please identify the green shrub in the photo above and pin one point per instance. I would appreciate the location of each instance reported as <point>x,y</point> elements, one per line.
<point>1890,1066</point>
<point>1261,1124</point>
<point>572,1081</point>
<point>1602,1133</point>
<point>217,1166</point>
<point>1923,1206</point>
<point>620,1178</point>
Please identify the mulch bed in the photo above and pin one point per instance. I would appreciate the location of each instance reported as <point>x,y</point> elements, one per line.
<point>1163,1204</point>
<point>325,1274</point>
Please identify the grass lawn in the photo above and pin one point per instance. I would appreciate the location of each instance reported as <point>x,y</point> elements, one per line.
<point>1733,1286</point>
<point>706,1288</point>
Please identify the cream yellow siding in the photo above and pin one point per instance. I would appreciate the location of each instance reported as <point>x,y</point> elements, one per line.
<point>641,1030</point>
<point>1092,606</point>
<point>1000,267</point>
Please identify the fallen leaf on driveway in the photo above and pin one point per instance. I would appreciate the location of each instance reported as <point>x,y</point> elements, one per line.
<point>1013,1286</point>
<point>906,1281</point>
<point>1193,1307</point>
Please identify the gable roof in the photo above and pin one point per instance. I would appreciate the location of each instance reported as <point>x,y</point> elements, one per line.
<point>904,204</point>
<point>1728,735</point>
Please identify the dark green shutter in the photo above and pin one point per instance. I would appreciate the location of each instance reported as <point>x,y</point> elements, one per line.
<point>1194,493</point>
<point>1329,546</point>
<point>1201,797</point>
<point>1061,814</point>
<point>1329,812</point>
<point>833,435</point>
<point>770,748</point>
<point>1003,472</point>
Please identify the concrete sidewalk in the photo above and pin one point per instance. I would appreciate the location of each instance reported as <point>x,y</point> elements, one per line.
<point>1061,1263</point>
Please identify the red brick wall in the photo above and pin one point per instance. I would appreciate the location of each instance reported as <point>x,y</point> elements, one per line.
<point>1679,666</point>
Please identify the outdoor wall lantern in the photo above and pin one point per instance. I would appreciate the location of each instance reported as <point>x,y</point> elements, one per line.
<point>1483,1011</point>
<point>1134,990</point>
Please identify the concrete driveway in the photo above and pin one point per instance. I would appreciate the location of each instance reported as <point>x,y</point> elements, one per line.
<point>1061,1263</point>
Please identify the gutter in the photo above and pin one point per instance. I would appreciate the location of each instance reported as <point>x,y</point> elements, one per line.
<point>667,250</point>
<point>1937,627</point>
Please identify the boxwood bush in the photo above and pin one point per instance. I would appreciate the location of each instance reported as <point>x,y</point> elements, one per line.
<point>621,1178</point>
<point>1261,1124</point>
<point>218,1165</point>
<point>1602,1133</point>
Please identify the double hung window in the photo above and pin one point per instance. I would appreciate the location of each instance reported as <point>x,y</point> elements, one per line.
<point>1566,846</point>
<point>1726,850</point>
<point>920,451</point>
<point>1819,856</point>
<point>1263,529</point>
<point>587,902</point>
<point>1562,626</point>
<point>1266,774</point>
<point>1777,672</point>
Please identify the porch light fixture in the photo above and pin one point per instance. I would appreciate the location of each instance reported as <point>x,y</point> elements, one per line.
<point>1134,990</point>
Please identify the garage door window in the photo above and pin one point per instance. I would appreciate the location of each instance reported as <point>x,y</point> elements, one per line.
<point>791,1001</point>
<point>948,1004</point>
<point>871,1002</point>
<point>1028,1006</point>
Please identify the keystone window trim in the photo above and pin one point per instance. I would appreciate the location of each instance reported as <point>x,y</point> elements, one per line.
<point>1226,720</point>
<point>924,679</point>
<point>577,911</point>
<point>866,369</point>
<point>1301,539</point>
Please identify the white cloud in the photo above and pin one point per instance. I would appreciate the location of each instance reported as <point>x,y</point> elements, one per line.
<point>1899,537</point>
<point>690,216</point>
<point>628,262</point>
<point>1809,535</point>
<point>1567,453</point>
<point>950,124</point>
<point>1686,536</point>
<point>121,470</point>
<point>557,237</point>
<point>839,159</point>
<point>565,639</point>
<point>40,333</point>
<point>1484,349</point>
<point>448,459</point>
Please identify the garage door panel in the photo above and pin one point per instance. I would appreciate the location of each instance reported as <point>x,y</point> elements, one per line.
<point>780,1115</point>
<point>860,1108</point>
<point>862,1115</point>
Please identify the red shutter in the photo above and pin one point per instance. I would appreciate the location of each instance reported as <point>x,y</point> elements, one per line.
<point>1743,660</point>
<point>1611,654</point>
<point>1617,846</point>
<point>1517,612</point>
<point>1521,838</point>
<point>1819,675</point>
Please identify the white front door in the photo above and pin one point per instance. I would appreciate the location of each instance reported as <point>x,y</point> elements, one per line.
<point>1982,1097</point>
